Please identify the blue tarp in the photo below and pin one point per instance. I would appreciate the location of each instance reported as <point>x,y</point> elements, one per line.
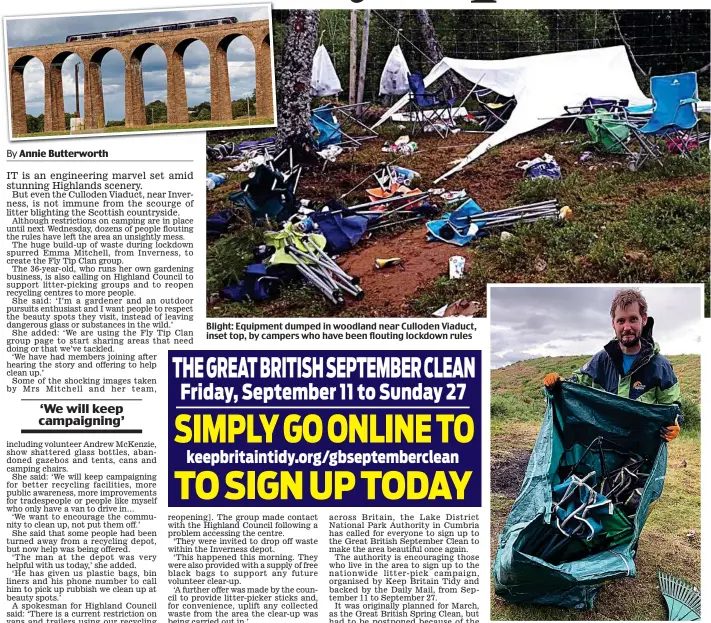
<point>460,222</point>
<point>342,232</point>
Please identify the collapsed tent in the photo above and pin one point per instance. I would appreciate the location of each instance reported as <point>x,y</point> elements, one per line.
<point>543,86</point>
<point>613,444</point>
<point>324,79</point>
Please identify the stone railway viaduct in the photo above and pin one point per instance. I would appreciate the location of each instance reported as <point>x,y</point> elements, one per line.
<point>132,48</point>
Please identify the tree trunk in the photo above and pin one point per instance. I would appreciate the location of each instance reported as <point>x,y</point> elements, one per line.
<point>363,58</point>
<point>432,47</point>
<point>353,59</point>
<point>397,20</point>
<point>294,88</point>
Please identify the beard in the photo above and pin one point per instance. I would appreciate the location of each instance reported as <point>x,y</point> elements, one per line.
<point>630,339</point>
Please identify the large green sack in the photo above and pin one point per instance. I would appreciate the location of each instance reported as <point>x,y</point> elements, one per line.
<point>575,416</point>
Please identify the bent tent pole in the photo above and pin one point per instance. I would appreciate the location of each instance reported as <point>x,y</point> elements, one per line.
<point>476,84</point>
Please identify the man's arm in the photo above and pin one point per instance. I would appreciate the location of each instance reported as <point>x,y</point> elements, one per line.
<point>668,391</point>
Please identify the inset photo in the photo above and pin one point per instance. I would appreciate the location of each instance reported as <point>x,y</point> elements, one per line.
<point>595,452</point>
<point>143,71</point>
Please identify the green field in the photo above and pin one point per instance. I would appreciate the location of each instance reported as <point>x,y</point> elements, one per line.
<point>672,535</point>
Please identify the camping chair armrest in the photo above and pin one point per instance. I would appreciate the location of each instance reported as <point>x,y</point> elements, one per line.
<point>689,100</point>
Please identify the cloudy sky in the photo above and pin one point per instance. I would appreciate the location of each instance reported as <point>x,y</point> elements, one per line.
<point>240,57</point>
<point>529,322</point>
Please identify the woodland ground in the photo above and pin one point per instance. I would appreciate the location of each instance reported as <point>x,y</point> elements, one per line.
<point>645,226</point>
<point>671,538</point>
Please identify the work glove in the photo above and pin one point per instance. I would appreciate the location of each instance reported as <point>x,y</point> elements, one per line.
<point>669,433</point>
<point>551,381</point>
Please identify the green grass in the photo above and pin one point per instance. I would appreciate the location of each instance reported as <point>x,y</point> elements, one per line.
<point>645,227</point>
<point>671,536</point>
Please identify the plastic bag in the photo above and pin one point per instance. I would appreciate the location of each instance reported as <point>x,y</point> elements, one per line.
<point>393,80</point>
<point>324,80</point>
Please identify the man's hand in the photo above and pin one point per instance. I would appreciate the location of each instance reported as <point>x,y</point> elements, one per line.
<point>552,381</point>
<point>670,433</point>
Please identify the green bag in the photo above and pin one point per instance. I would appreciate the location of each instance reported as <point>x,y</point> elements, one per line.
<point>575,416</point>
<point>607,135</point>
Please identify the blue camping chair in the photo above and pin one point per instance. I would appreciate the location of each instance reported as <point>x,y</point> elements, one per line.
<point>325,127</point>
<point>592,104</point>
<point>430,108</point>
<point>672,120</point>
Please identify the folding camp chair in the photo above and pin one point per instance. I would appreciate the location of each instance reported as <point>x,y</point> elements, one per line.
<point>430,108</point>
<point>306,253</point>
<point>496,113</point>
<point>268,193</point>
<point>608,133</point>
<point>327,129</point>
<point>672,121</point>
<point>592,104</point>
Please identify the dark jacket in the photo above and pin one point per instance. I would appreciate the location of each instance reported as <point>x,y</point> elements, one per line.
<point>651,378</point>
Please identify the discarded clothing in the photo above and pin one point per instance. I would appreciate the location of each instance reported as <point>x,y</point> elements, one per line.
<point>219,223</point>
<point>260,283</point>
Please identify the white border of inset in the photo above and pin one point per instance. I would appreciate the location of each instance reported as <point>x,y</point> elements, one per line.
<point>265,5</point>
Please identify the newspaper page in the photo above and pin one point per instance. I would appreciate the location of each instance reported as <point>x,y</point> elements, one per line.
<point>426,347</point>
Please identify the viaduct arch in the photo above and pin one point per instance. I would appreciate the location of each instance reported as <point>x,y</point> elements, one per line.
<point>132,48</point>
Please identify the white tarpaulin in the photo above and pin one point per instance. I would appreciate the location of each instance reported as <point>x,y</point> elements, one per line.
<point>324,80</point>
<point>543,85</point>
<point>393,80</point>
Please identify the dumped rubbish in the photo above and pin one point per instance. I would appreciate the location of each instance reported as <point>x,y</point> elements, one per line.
<point>506,235</point>
<point>331,152</point>
<point>248,165</point>
<point>461,307</point>
<point>218,224</point>
<point>544,167</point>
<point>585,156</point>
<point>268,193</point>
<point>215,179</point>
<point>389,262</point>
<point>683,599</point>
<point>456,267</point>
<point>324,79</point>
<point>306,252</point>
<point>404,176</point>
<point>403,145</point>
<point>240,151</point>
<point>469,221</point>
<point>393,80</point>
<point>453,196</point>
